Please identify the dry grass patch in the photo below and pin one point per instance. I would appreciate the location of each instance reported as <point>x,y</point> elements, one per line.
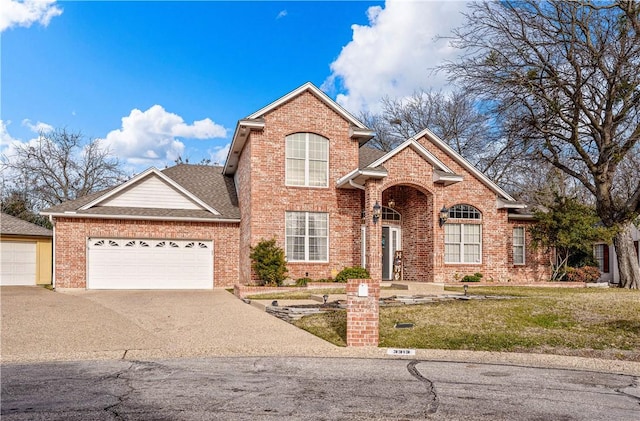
<point>303,294</point>
<point>592,322</point>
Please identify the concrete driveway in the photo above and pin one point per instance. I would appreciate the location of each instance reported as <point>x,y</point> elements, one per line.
<point>39,325</point>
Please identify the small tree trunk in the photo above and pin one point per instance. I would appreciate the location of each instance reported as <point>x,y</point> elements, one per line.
<point>628,266</point>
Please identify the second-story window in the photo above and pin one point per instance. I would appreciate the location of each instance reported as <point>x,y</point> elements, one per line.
<point>307,156</point>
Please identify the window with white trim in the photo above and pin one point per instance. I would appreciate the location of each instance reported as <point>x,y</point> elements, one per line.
<point>307,160</point>
<point>518,246</point>
<point>463,241</point>
<point>307,236</point>
<point>464,212</point>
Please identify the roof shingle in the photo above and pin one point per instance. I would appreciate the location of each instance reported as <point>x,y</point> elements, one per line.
<point>203,181</point>
<point>10,225</point>
<point>368,155</point>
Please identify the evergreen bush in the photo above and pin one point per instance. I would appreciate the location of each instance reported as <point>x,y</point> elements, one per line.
<point>355,272</point>
<point>267,260</point>
<point>476,277</point>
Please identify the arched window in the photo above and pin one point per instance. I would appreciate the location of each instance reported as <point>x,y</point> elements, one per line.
<point>307,160</point>
<point>391,215</point>
<point>464,212</point>
<point>463,241</point>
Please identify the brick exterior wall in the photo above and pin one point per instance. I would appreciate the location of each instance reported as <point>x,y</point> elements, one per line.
<point>264,199</point>
<point>243,187</point>
<point>419,200</point>
<point>269,198</point>
<point>72,233</point>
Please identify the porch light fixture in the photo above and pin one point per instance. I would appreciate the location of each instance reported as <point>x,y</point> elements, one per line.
<point>444,215</point>
<point>392,203</point>
<point>376,212</point>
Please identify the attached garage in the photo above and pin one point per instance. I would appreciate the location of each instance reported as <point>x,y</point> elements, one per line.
<point>25,252</point>
<point>159,230</point>
<point>149,264</point>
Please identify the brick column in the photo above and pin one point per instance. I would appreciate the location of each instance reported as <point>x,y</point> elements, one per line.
<point>363,313</point>
<point>374,231</point>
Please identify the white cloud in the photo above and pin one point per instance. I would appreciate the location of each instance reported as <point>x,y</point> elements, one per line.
<point>5,137</point>
<point>26,12</point>
<point>37,128</point>
<point>219,154</point>
<point>151,137</point>
<point>282,14</point>
<point>8,147</point>
<point>393,55</point>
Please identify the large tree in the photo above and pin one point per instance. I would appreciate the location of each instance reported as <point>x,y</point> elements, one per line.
<point>564,75</point>
<point>59,166</point>
<point>457,119</point>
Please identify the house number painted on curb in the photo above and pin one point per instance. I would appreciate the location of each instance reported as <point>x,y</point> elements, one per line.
<point>394,351</point>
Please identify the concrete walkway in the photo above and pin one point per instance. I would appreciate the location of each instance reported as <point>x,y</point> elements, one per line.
<point>41,325</point>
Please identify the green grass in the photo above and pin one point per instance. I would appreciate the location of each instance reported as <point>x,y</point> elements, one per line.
<point>592,322</point>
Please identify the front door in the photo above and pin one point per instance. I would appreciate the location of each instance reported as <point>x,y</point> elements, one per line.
<point>390,244</point>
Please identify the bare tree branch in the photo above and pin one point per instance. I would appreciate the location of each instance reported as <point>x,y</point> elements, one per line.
<point>569,70</point>
<point>61,166</point>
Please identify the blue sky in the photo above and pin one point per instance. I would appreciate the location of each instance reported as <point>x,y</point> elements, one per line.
<point>159,79</point>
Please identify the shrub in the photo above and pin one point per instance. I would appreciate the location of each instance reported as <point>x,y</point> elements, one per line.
<point>302,282</point>
<point>583,274</point>
<point>267,260</point>
<point>355,272</point>
<point>476,277</point>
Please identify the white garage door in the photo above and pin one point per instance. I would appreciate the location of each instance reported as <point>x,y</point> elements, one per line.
<point>149,264</point>
<point>18,263</point>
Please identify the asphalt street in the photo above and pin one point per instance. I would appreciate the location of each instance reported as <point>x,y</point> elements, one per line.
<point>277,388</point>
<point>205,355</point>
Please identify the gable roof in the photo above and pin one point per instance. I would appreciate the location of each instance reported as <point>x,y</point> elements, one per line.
<point>460,160</point>
<point>309,87</point>
<point>150,172</point>
<point>204,184</point>
<point>421,150</point>
<point>10,225</point>
<point>371,165</point>
<point>255,121</point>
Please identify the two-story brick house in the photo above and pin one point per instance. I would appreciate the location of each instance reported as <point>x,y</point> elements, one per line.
<point>299,171</point>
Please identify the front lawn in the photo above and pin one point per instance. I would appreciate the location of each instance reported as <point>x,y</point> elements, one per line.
<point>591,322</point>
<point>303,294</point>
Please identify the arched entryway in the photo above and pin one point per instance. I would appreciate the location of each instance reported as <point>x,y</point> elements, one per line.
<point>407,233</point>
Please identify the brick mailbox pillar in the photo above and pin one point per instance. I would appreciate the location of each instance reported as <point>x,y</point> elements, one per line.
<point>363,307</point>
